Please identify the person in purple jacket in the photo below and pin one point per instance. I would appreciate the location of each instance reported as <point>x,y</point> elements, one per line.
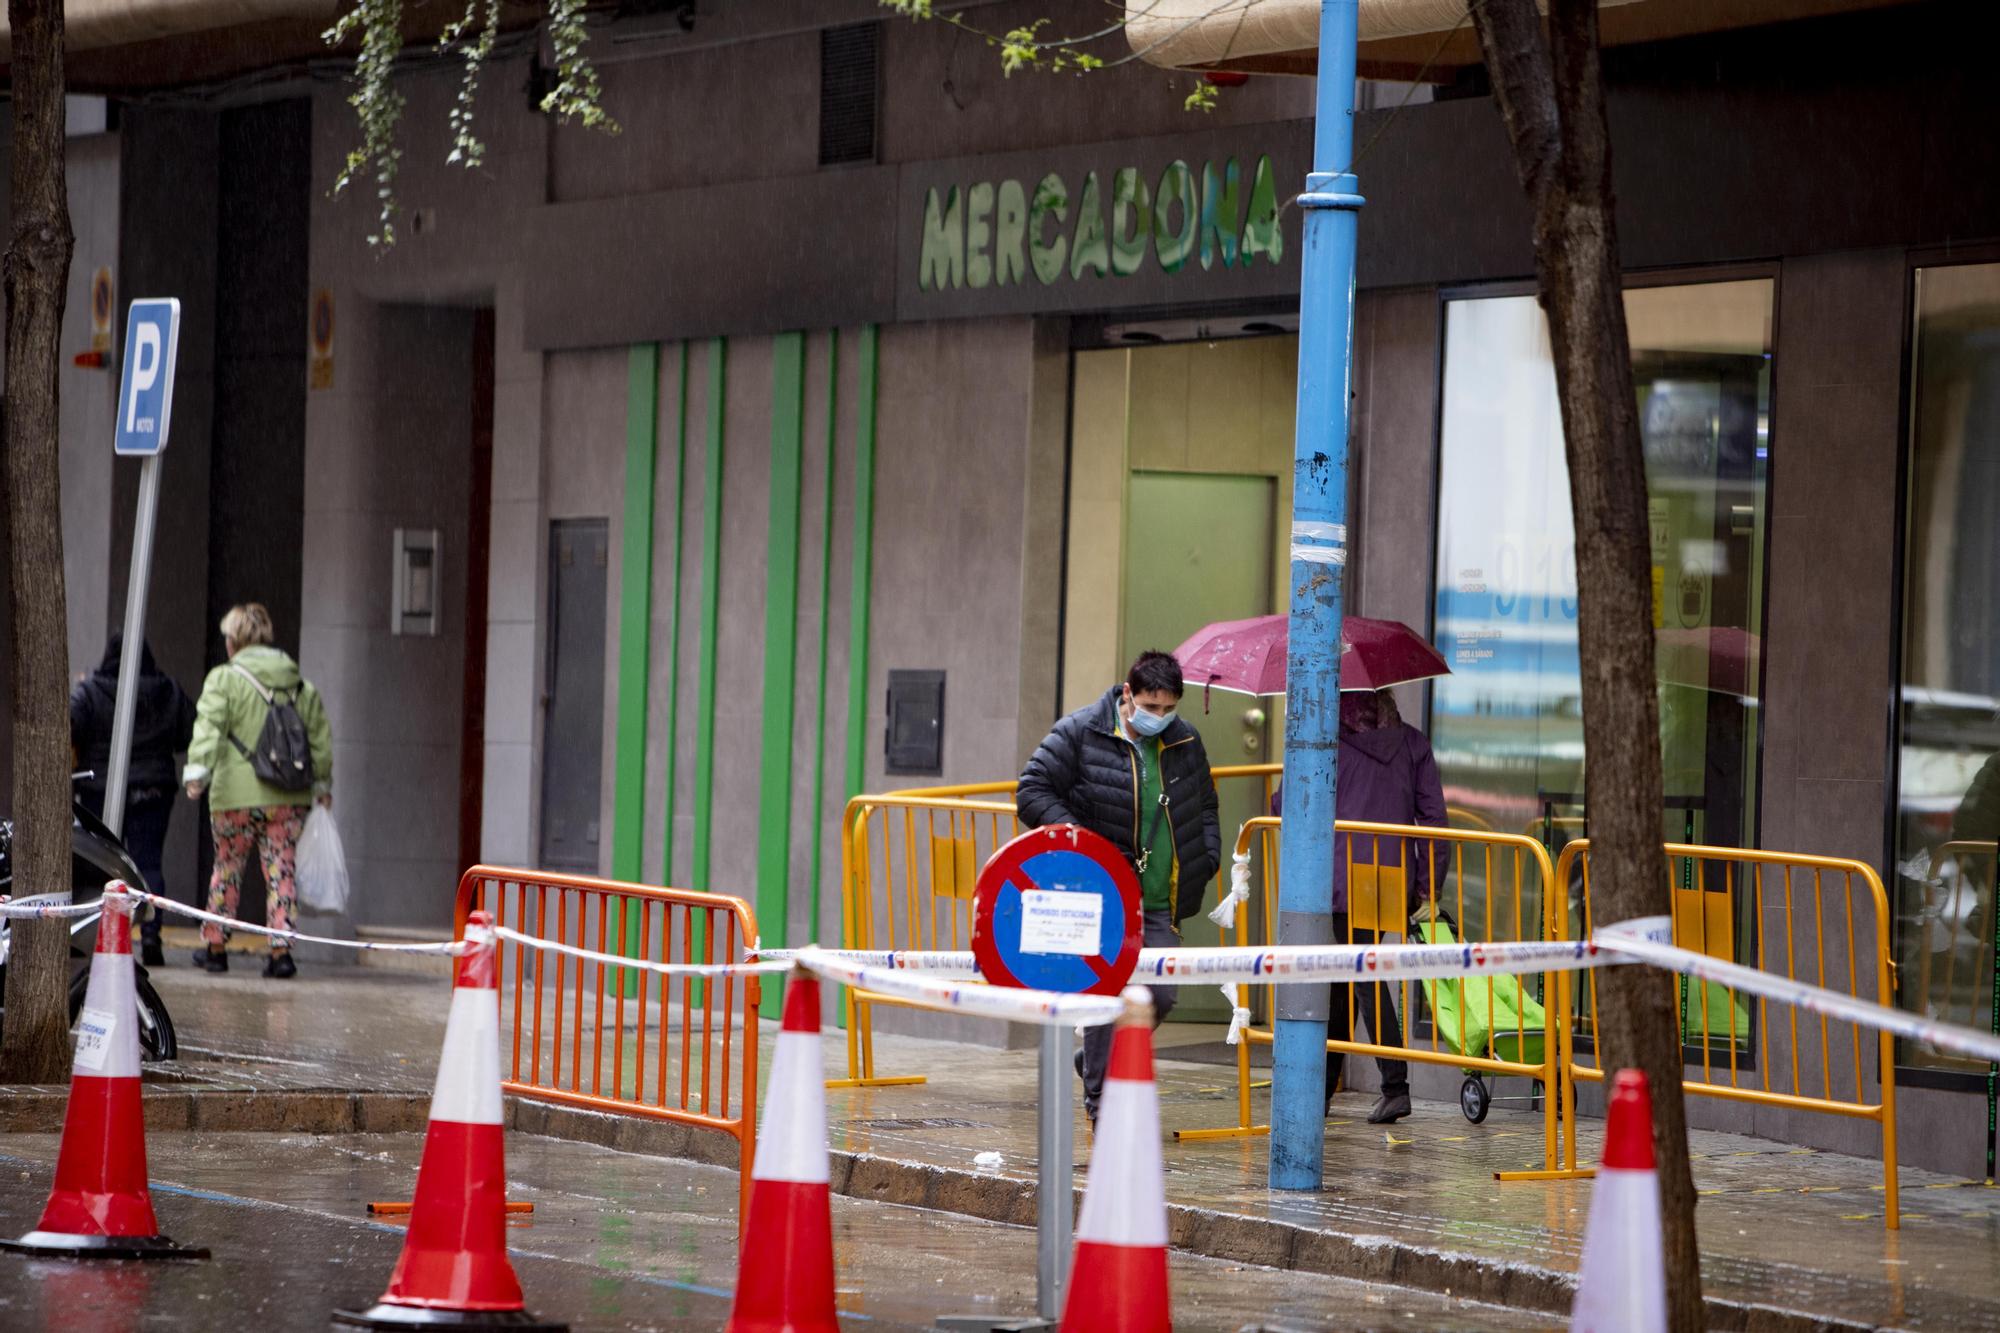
<point>1386,776</point>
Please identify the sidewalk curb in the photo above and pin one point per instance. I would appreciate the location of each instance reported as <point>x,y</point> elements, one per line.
<point>40,1110</point>
<point>1209,1232</point>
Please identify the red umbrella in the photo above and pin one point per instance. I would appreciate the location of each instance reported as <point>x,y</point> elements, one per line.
<point>1248,656</point>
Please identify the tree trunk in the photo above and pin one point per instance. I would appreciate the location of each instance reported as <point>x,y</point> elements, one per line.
<point>1551,95</point>
<point>34,1043</point>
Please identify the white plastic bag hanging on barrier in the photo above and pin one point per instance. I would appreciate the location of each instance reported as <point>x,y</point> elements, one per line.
<point>322,864</point>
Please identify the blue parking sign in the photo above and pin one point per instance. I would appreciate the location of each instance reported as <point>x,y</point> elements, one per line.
<point>146,390</point>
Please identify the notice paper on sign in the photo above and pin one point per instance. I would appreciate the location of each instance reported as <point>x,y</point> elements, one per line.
<point>1057,922</point>
<point>93,1038</point>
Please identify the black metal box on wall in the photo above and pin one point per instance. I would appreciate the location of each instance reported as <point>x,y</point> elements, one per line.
<point>913,742</point>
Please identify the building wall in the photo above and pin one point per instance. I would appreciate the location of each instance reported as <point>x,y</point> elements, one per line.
<point>394,700</point>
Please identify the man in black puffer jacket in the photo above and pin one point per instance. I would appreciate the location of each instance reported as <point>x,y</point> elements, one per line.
<point>1128,769</point>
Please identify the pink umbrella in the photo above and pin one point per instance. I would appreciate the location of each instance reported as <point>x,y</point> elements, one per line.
<point>1248,656</point>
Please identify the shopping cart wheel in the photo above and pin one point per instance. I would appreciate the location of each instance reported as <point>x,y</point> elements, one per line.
<point>1474,1099</point>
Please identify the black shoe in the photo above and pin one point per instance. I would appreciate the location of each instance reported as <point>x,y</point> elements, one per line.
<point>1389,1109</point>
<point>150,954</point>
<point>211,960</point>
<point>282,966</point>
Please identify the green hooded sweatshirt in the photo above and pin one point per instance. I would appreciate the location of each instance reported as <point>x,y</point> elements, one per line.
<point>231,706</point>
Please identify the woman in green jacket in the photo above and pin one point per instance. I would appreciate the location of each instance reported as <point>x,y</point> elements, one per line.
<point>245,811</point>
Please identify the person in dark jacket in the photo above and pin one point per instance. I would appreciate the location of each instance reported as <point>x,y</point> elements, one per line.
<point>162,722</point>
<point>1387,775</point>
<point>1127,768</point>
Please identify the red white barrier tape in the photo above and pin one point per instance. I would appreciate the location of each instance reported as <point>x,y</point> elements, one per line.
<point>936,962</point>
<point>1813,999</point>
<point>1017,1006</point>
<point>30,909</point>
<point>749,967</point>
<point>451,947</point>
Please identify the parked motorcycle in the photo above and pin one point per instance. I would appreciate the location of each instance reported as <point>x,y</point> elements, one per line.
<point>96,858</point>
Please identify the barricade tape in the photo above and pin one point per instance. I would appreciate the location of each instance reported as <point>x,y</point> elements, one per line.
<point>751,967</point>
<point>1045,1008</point>
<point>35,908</point>
<point>932,977</point>
<point>1640,947</point>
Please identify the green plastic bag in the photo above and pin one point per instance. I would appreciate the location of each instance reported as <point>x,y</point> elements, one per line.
<point>1469,1009</point>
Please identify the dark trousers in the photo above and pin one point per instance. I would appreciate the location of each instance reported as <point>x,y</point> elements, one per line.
<point>1159,934</point>
<point>147,815</point>
<point>1365,996</point>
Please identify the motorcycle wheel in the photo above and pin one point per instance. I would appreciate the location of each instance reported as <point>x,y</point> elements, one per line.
<point>157,1039</point>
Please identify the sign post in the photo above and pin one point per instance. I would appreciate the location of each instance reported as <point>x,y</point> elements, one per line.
<point>1056,909</point>
<point>145,406</point>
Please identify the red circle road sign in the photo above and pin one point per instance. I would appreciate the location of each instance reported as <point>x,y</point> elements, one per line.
<point>1057,909</point>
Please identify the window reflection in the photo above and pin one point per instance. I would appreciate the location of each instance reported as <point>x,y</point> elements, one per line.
<point>1507,725</point>
<point>1948,779</point>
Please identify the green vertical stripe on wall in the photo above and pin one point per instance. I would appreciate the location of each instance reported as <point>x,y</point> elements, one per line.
<point>858,592</point>
<point>635,628</point>
<point>864,554</point>
<point>674,617</point>
<point>781,607</point>
<point>817,814</point>
<point>711,589</point>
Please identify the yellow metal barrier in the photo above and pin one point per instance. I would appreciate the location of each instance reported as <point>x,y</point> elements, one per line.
<point>1787,937</point>
<point>1494,886</point>
<point>909,861</point>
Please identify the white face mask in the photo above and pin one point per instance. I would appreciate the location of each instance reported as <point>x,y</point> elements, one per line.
<point>1149,724</point>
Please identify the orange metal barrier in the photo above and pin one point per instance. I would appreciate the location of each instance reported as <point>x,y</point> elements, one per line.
<point>909,862</point>
<point>676,1049</point>
<point>1730,1050</point>
<point>1494,886</point>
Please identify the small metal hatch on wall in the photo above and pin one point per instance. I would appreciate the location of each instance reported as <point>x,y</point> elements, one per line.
<point>913,741</point>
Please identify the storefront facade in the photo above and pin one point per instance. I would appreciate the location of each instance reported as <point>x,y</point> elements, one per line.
<point>724,429</point>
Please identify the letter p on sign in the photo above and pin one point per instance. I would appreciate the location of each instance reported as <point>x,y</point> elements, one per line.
<point>146,389</point>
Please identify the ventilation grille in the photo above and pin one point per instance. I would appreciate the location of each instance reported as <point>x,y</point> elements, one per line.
<point>847,87</point>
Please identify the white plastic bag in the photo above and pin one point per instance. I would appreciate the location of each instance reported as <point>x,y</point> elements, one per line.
<point>322,865</point>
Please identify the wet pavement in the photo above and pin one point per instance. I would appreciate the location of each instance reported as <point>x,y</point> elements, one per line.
<point>1782,1228</point>
<point>617,1242</point>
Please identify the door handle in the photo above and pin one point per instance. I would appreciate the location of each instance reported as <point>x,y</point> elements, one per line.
<point>1253,717</point>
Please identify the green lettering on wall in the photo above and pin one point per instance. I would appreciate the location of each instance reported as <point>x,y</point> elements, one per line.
<point>1219,213</point>
<point>1010,229</point>
<point>1051,203</point>
<point>941,263</point>
<point>1172,246</point>
<point>978,234</point>
<point>1087,245</point>
<point>1261,232</point>
<point>1131,221</point>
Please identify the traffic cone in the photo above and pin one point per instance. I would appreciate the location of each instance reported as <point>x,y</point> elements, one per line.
<point>1622,1286</point>
<point>1118,1283</point>
<point>101,1207</point>
<point>454,1272</point>
<point>784,1272</point>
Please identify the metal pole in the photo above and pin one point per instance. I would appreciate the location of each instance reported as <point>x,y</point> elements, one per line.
<point>135,634</point>
<point>1054,1191</point>
<point>1319,558</point>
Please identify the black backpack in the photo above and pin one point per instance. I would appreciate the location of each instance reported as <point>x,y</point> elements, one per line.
<point>283,757</point>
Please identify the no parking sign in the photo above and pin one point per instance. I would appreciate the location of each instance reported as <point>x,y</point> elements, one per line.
<point>1057,909</point>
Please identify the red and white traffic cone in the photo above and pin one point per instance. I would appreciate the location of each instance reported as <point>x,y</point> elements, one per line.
<point>784,1270</point>
<point>454,1272</point>
<point>101,1207</point>
<point>1622,1286</point>
<point>1118,1283</point>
